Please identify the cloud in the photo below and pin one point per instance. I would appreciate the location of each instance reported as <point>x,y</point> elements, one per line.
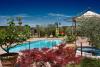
<point>4,16</point>
<point>22,15</point>
<point>58,15</point>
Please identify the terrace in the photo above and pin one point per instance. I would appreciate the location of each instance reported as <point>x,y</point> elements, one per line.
<point>59,50</point>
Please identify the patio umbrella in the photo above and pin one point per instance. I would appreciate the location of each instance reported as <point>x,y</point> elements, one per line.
<point>86,15</point>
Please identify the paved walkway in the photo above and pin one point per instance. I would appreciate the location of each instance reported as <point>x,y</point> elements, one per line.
<point>83,41</point>
<point>0,64</point>
<point>1,52</point>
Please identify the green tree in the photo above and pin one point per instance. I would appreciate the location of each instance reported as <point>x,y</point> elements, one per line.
<point>90,27</point>
<point>11,26</point>
<point>38,30</point>
<point>51,28</point>
<point>68,30</point>
<point>42,30</point>
<point>27,31</point>
<point>2,38</point>
<point>9,36</point>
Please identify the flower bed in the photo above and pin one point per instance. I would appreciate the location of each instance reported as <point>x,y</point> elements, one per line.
<point>48,57</point>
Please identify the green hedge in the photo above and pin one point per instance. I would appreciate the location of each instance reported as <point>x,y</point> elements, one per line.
<point>88,62</point>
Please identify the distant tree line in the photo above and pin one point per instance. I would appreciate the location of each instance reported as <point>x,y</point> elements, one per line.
<point>50,29</point>
<point>38,30</point>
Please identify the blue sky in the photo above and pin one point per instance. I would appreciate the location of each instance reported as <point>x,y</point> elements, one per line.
<point>45,11</point>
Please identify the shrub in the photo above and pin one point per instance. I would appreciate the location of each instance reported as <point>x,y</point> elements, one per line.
<point>54,57</point>
<point>69,38</point>
<point>88,62</point>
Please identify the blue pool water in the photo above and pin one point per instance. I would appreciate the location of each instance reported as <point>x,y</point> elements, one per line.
<point>92,50</point>
<point>35,44</point>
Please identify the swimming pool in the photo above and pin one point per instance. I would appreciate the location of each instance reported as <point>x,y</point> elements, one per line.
<point>35,44</point>
<point>92,50</point>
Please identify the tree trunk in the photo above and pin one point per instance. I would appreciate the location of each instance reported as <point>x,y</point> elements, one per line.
<point>4,49</point>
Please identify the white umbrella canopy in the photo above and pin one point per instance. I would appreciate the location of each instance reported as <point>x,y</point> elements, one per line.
<point>90,14</point>
<point>86,15</point>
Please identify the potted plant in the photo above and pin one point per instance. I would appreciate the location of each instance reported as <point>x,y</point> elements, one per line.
<point>8,38</point>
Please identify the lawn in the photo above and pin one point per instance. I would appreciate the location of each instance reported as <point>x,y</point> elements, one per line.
<point>73,66</point>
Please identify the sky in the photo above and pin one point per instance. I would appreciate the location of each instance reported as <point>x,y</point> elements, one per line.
<point>43,12</point>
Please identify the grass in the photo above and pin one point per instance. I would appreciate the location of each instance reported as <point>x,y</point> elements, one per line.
<point>69,65</point>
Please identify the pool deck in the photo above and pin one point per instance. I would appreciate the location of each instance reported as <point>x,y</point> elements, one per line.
<point>1,52</point>
<point>35,39</point>
<point>78,41</point>
<point>83,41</point>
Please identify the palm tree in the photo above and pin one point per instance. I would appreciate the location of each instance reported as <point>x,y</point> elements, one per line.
<point>57,24</point>
<point>57,27</point>
<point>10,21</point>
<point>38,30</point>
<point>19,19</point>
